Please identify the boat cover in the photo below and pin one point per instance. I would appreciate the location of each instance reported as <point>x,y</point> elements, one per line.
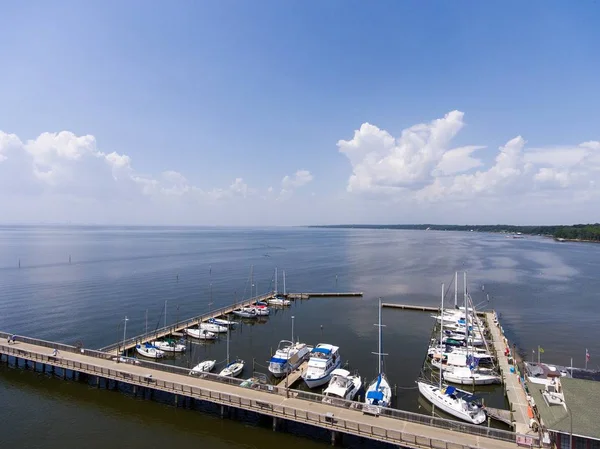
<point>277,360</point>
<point>322,350</point>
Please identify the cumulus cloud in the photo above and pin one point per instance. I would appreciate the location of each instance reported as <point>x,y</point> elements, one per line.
<point>423,166</point>
<point>290,183</point>
<point>73,166</point>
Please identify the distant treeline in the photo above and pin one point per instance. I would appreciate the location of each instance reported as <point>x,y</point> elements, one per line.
<point>573,232</point>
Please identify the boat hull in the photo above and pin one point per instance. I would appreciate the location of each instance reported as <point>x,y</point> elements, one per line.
<point>167,347</point>
<point>318,381</point>
<point>205,366</point>
<point>433,395</point>
<point>232,370</point>
<point>151,353</point>
<point>385,389</point>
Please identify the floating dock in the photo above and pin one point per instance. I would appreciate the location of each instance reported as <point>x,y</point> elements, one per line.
<point>324,295</point>
<point>397,427</point>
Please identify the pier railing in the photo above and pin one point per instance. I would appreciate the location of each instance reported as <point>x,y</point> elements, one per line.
<point>290,393</point>
<point>240,401</point>
<point>183,324</point>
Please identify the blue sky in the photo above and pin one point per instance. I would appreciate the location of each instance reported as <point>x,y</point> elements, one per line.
<point>214,92</point>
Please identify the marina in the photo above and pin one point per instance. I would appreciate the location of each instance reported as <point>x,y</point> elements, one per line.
<point>254,340</point>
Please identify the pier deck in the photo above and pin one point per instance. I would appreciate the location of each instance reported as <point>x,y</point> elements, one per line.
<point>418,308</point>
<point>324,295</point>
<point>294,376</point>
<point>514,390</point>
<point>417,433</point>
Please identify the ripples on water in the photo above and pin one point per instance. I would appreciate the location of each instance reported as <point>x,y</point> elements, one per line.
<point>545,292</point>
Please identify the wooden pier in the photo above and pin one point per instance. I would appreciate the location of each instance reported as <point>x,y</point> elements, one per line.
<point>401,428</point>
<point>515,392</point>
<point>293,377</point>
<point>324,295</point>
<point>418,308</point>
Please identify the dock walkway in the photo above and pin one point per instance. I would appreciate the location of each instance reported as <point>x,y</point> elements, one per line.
<point>263,399</point>
<point>294,376</point>
<point>514,389</point>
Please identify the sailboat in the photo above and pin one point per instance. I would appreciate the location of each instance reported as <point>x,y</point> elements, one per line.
<point>150,351</point>
<point>168,345</point>
<point>204,366</point>
<point>447,398</point>
<point>379,392</point>
<point>234,368</point>
<point>201,334</point>
<point>279,300</point>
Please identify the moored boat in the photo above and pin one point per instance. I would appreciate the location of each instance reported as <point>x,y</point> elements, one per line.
<point>150,351</point>
<point>246,312</point>
<point>288,357</point>
<point>205,366</point>
<point>379,392</point>
<point>342,385</point>
<point>168,345</point>
<point>213,327</point>
<point>233,369</point>
<point>324,358</point>
<point>201,334</point>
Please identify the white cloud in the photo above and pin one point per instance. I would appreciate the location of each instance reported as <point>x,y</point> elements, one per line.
<point>421,166</point>
<point>290,183</point>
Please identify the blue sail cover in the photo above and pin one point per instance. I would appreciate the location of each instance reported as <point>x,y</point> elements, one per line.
<point>278,360</point>
<point>450,390</point>
<point>377,394</point>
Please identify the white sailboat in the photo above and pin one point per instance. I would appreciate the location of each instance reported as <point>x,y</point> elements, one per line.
<point>213,327</point>
<point>246,312</point>
<point>221,322</point>
<point>379,392</point>
<point>148,350</point>
<point>168,345</point>
<point>205,366</point>
<point>277,299</point>
<point>446,397</point>
<point>201,334</point>
<point>342,385</point>
<point>234,368</point>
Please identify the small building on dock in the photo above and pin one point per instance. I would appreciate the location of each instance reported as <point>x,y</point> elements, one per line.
<point>570,416</point>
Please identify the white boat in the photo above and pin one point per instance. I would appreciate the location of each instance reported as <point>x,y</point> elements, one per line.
<point>342,385</point>
<point>221,322</point>
<point>324,358</point>
<point>288,357</point>
<point>447,400</point>
<point>463,375</point>
<point>261,310</point>
<point>205,366</point>
<point>233,369</point>
<point>445,397</point>
<point>201,334</point>
<point>147,350</point>
<point>245,312</point>
<point>212,327</point>
<point>379,392</point>
<point>168,345</point>
<point>278,301</point>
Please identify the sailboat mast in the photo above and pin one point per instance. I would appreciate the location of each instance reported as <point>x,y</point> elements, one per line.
<point>251,279</point>
<point>380,335</point>
<point>456,289</point>
<point>227,362</point>
<point>466,316</point>
<point>283,282</point>
<point>441,339</point>
<point>165,313</point>
<point>275,281</point>
<point>146,321</point>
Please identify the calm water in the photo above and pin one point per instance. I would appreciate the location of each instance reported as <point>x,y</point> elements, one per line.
<point>545,292</point>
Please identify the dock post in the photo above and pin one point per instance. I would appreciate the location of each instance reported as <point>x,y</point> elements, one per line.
<point>274,424</point>
<point>336,438</point>
<point>176,400</point>
<point>135,390</point>
<point>222,411</point>
<point>97,381</point>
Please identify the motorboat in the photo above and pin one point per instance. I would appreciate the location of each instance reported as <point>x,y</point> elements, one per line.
<point>205,366</point>
<point>342,385</point>
<point>379,392</point>
<point>168,345</point>
<point>288,357</point>
<point>233,369</point>
<point>246,312</point>
<point>150,351</point>
<point>201,334</point>
<point>324,358</point>
<point>212,327</point>
<point>448,400</point>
